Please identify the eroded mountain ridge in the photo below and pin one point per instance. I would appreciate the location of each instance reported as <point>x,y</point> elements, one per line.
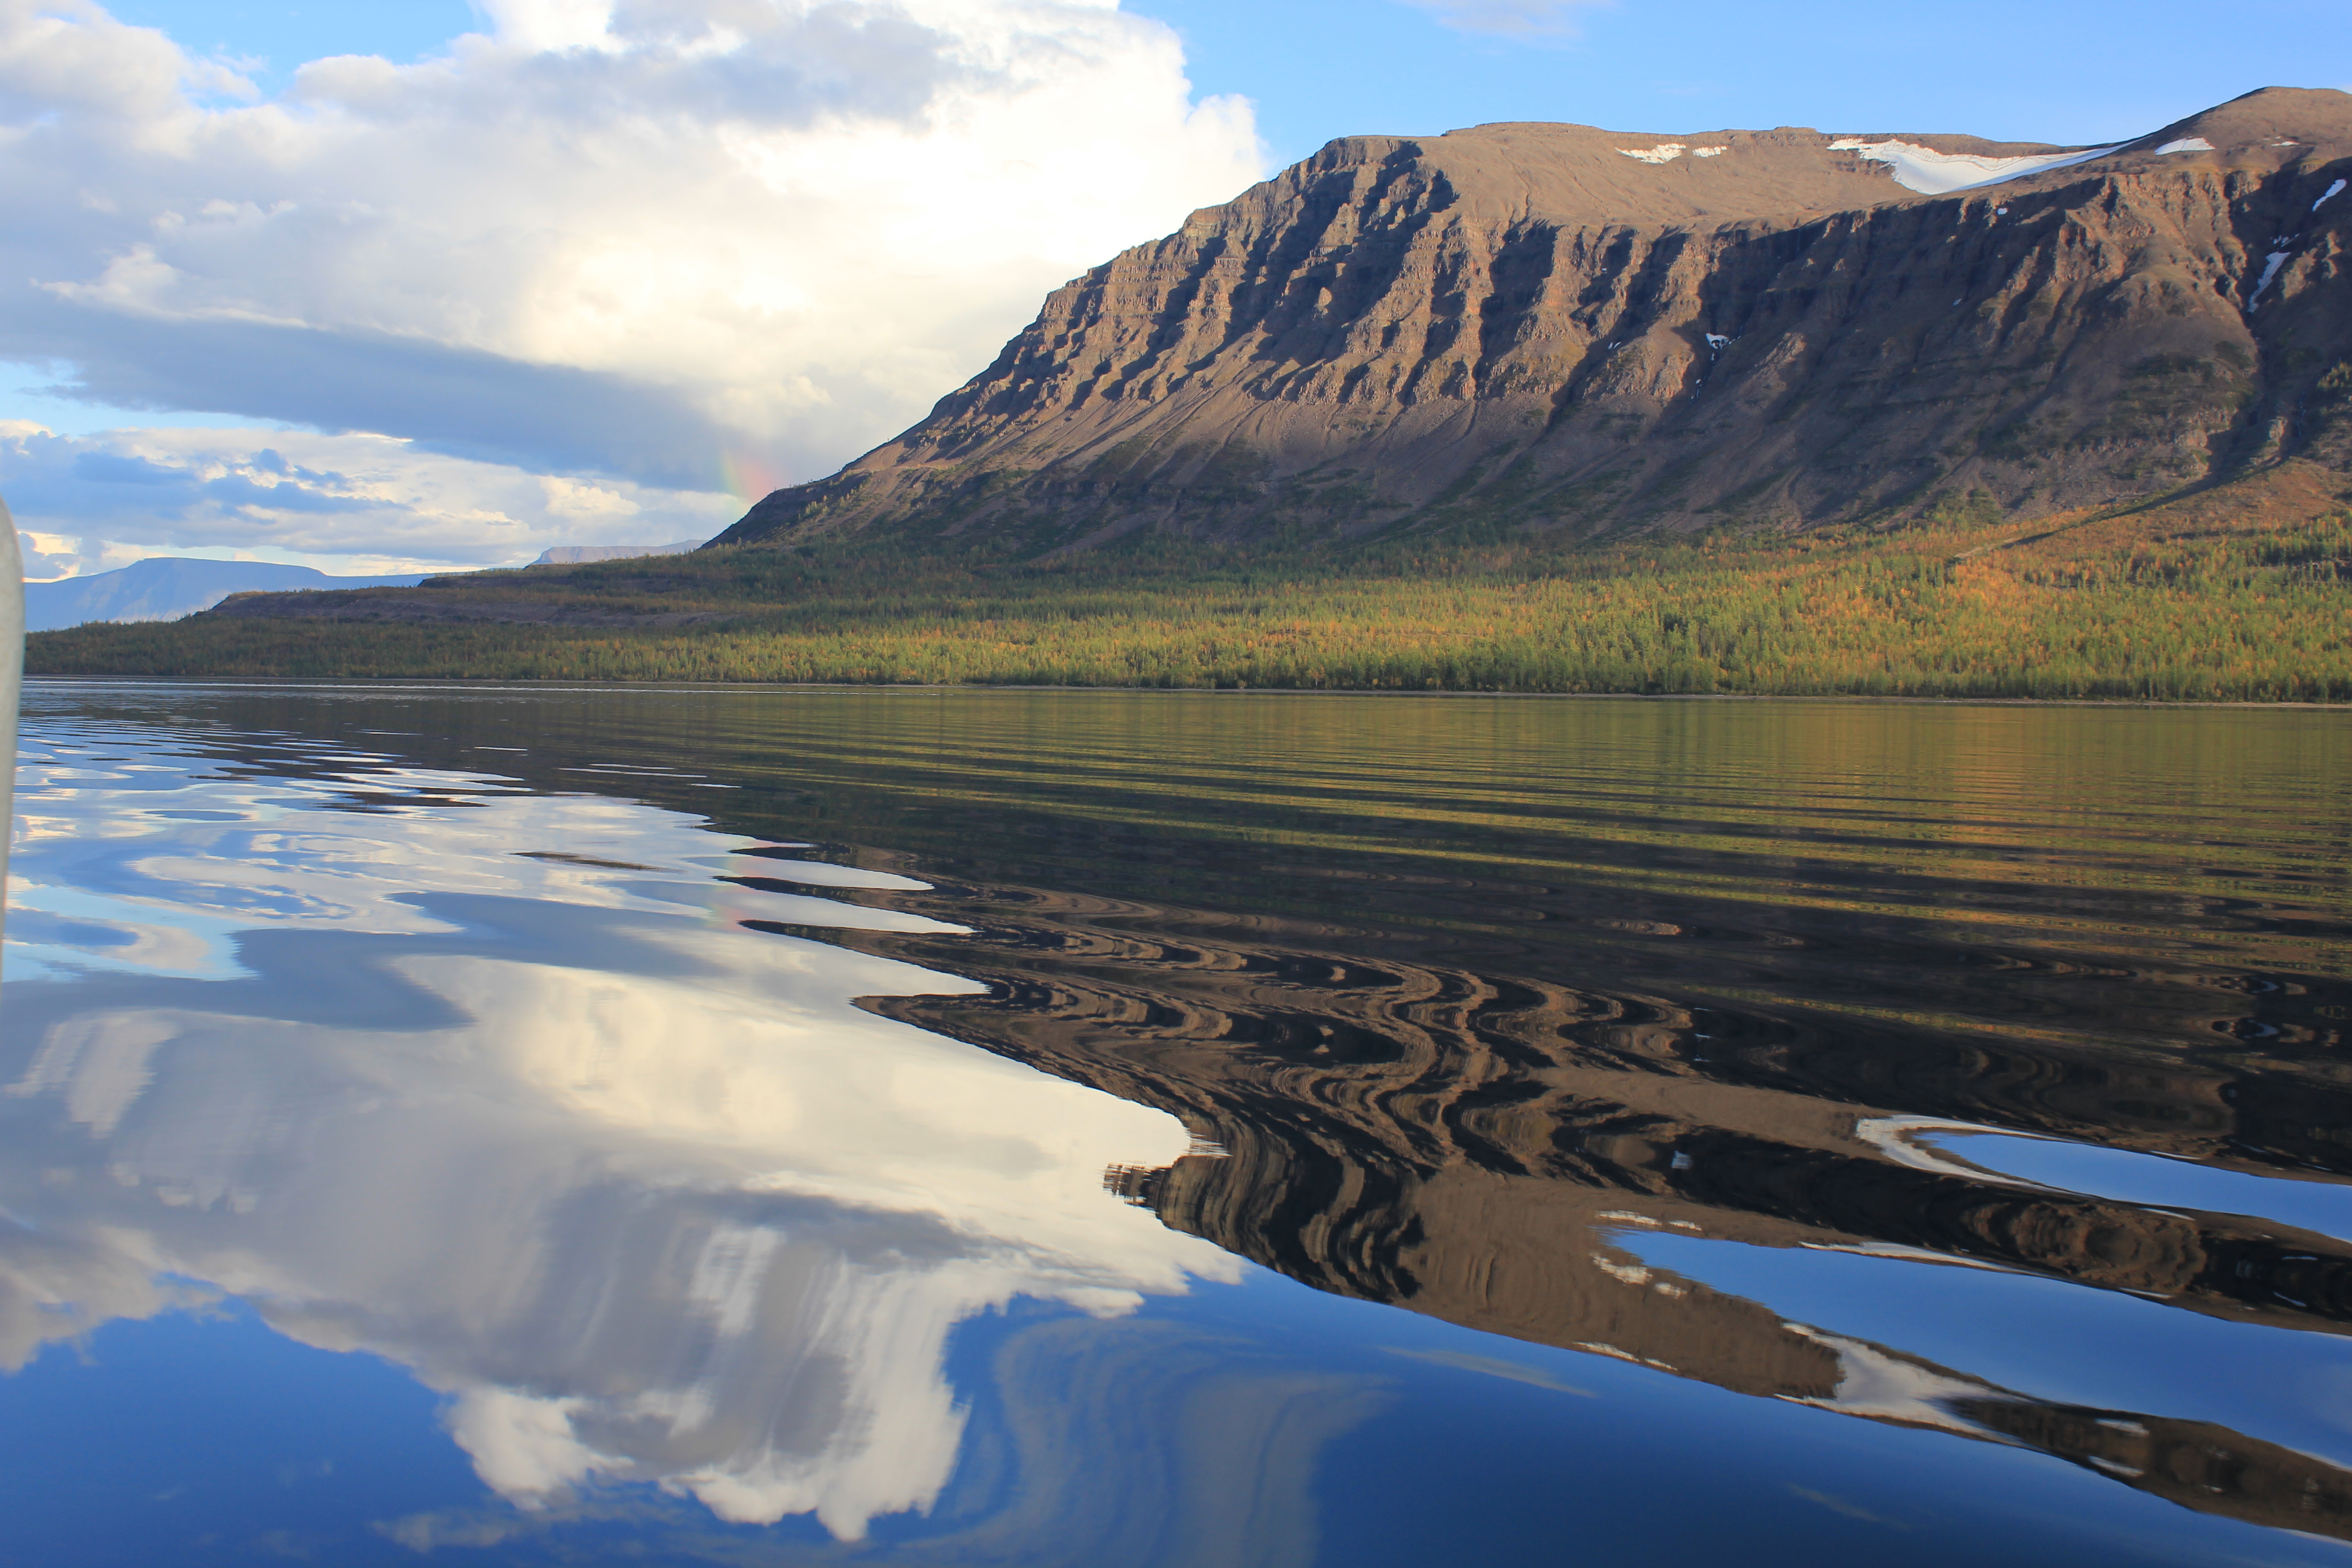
<point>1557,328</point>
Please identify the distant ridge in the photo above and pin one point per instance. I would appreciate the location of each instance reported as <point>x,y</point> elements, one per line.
<point>581,554</point>
<point>166,587</point>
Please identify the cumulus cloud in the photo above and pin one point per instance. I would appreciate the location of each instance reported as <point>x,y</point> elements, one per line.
<point>1511,18</point>
<point>638,238</point>
<point>348,502</point>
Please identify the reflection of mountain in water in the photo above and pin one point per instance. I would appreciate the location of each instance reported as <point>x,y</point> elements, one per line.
<point>1493,1151</point>
<point>1498,1056</point>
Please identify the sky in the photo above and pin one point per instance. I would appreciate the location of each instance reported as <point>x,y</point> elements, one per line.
<point>434,285</point>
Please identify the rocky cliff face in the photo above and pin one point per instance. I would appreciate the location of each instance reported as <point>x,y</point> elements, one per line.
<point>1551,327</point>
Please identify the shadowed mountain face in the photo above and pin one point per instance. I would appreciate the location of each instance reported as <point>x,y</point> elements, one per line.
<point>1554,327</point>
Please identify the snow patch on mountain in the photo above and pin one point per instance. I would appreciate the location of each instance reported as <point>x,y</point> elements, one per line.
<point>1935,173</point>
<point>2271,265</point>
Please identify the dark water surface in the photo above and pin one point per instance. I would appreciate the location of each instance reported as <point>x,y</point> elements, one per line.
<point>553,1126</point>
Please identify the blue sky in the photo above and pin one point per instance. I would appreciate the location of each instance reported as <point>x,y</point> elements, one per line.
<point>2063,71</point>
<point>287,34</point>
<point>609,270</point>
<point>2060,70</point>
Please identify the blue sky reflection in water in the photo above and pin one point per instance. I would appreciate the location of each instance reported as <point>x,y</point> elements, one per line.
<point>551,1127</point>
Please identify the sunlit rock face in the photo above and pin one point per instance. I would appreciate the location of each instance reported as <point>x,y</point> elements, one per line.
<point>496,1087</point>
<point>1566,330</point>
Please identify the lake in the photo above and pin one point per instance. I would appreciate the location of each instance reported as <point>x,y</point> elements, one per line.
<point>692,1126</point>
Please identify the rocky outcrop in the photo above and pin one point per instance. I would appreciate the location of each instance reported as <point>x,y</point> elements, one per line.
<point>1555,327</point>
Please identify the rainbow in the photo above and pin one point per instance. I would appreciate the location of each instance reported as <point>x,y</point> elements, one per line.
<point>747,477</point>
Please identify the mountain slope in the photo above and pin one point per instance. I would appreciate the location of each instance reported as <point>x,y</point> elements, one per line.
<point>1560,328</point>
<point>164,588</point>
<point>582,554</point>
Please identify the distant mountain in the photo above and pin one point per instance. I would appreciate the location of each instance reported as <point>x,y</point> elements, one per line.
<point>580,554</point>
<point>1559,329</point>
<point>165,587</point>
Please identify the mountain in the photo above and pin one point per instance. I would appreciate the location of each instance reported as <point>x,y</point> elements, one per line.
<point>578,554</point>
<point>1554,327</point>
<point>165,587</point>
<point>1547,408</point>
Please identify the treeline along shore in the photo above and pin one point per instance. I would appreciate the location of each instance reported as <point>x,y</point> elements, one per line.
<point>2237,592</point>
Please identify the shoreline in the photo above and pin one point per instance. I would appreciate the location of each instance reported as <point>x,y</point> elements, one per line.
<point>490,683</point>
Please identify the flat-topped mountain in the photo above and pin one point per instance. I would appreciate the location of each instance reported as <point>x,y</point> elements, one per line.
<point>1558,328</point>
<point>165,587</point>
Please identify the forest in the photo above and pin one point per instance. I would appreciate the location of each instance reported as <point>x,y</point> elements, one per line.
<point>2236,594</point>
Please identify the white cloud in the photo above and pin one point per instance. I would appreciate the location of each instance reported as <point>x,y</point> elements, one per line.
<point>520,1445</point>
<point>644,238</point>
<point>575,1083</point>
<point>1511,18</point>
<point>346,503</point>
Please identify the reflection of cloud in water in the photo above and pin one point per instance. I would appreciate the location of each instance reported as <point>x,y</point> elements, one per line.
<point>643,1192</point>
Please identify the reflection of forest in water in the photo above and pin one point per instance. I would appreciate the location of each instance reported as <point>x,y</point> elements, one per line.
<point>1468,1057</point>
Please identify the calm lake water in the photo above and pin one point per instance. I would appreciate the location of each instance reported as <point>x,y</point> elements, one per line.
<point>583,1126</point>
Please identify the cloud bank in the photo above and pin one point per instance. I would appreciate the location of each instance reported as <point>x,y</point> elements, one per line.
<point>368,504</point>
<point>657,242</point>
